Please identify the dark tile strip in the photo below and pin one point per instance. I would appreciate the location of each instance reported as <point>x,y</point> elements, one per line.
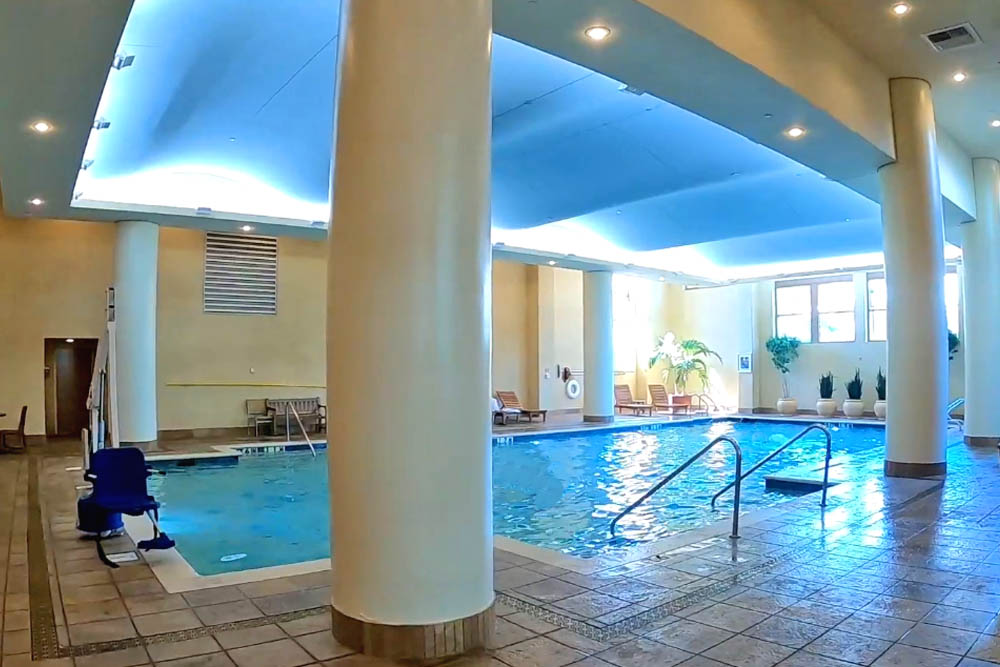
<point>44,640</point>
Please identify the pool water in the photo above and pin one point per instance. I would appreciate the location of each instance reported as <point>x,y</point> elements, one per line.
<point>554,491</point>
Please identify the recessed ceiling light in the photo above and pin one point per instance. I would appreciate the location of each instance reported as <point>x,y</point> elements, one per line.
<point>959,77</point>
<point>901,8</point>
<point>662,279</point>
<point>598,33</point>
<point>69,340</point>
<point>552,262</point>
<point>36,201</point>
<point>795,132</point>
<point>247,228</point>
<point>995,123</point>
<point>41,126</point>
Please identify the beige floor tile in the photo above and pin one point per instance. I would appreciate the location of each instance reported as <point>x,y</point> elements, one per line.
<point>785,631</point>
<point>167,621</point>
<point>938,638</point>
<point>247,636</point>
<point>749,652</point>
<point>16,641</point>
<point>689,636</point>
<point>282,653</point>
<point>140,587</point>
<point>101,610</point>
<point>101,631</point>
<point>728,617</point>
<point>83,594</point>
<point>901,655</point>
<point>507,633</point>
<point>538,652</point>
<point>643,653</point>
<point>876,625</point>
<point>846,646</point>
<point>152,604</point>
<point>128,657</point>
<point>209,660</point>
<point>293,601</point>
<point>227,612</point>
<point>172,650</point>
<point>322,646</point>
<point>209,596</point>
<point>307,624</point>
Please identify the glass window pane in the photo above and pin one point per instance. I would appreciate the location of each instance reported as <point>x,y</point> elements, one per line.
<point>834,297</point>
<point>795,300</point>
<point>951,290</point>
<point>877,329</point>
<point>836,327</point>
<point>876,294</point>
<point>797,326</point>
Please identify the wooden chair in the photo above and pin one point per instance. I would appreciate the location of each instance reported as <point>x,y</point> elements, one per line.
<point>624,401</point>
<point>509,401</point>
<point>672,404</point>
<point>7,435</point>
<point>310,410</point>
<point>257,416</point>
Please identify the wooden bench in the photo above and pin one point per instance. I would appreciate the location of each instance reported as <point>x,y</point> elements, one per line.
<point>310,410</point>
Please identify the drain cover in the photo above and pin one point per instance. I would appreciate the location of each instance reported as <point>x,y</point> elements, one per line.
<point>231,557</point>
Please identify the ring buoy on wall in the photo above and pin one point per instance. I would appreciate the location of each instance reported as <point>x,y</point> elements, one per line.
<point>573,389</point>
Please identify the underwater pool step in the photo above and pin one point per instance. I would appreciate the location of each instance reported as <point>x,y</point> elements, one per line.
<point>807,478</point>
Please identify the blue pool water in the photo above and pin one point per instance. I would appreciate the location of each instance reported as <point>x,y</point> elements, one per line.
<point>554,491</point>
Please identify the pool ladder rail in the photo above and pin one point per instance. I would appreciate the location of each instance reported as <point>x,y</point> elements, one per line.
<point>288,431</point>
<point>779,450</point>
<point>666,480</point>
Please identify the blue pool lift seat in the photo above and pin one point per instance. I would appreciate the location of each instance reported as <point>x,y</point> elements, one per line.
<point>119,478</point>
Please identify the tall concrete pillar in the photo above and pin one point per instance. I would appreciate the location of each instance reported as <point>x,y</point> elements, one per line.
<point>409,300</point>
<point>913,238</point>
<point>136,252</point>
<point>598,347</point>
<point>981,301</point>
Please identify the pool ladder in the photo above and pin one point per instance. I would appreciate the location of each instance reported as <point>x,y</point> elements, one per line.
<point>288,431</point>
<point>779,450</point>
<point>666,480</point>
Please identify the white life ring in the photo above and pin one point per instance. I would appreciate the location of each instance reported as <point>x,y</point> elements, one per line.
<point>573,389</point>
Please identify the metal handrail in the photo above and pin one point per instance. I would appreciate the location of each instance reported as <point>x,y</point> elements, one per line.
<point>702,397</point>
<point>288,431</point>
<point>954,405</point>
<point>683,466</point>
<point>779,450</point>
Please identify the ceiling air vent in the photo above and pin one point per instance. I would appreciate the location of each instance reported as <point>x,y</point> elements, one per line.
<point>955,37</point>
<point>241,274</point>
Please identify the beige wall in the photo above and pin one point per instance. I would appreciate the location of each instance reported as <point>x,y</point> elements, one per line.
<point>513,330</point>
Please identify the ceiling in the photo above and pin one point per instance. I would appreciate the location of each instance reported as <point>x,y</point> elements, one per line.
<point>896,45</point>
<point>224,119</point>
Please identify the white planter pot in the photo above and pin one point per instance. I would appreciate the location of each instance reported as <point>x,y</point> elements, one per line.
<point>788,406</point>
<point>854,408</point>
<point>880,409</point>
<point>825,407</point>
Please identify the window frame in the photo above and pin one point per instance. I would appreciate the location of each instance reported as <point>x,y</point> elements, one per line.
<point>880,275</point>
<point>814,311</point>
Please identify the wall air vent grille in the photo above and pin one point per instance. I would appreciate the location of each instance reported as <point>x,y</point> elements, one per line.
<point>241,274</point>
<point>954,37</point>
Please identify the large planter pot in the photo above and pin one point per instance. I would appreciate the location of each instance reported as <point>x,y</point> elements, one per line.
<point>825,407</point>
<point>880,409</point>
<point>854,408</point>
<point>788,406</point>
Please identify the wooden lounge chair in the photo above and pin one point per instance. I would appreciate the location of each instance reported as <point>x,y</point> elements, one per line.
<point>509,401</point>
<point>7,436</point>
<point>624,401</point>
<point>671,404</point>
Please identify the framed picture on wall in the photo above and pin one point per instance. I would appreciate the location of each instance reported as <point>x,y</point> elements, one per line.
<point>744,364</point>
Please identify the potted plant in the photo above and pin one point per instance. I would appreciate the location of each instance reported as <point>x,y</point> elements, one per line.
<point>880,391</point>
<point>685,358</point>
<point>953,342</point>
<point>784,350</point>
<point>853,407</point>
<point>826,406</point>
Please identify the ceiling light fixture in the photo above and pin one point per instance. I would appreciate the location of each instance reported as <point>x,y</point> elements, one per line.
<point>552,262</point>
<point>246,228</point>
<point>959,77</point>
<point>995,123</point>
<point>598,33</point>
<point>41,126</point>
<point>36,201</point>
<point>70,340</point>
<point>901,8</point>
<point>795,132</point>
<point>662,279</point>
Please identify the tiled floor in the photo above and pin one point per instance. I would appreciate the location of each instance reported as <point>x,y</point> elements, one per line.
<point>882,577</point>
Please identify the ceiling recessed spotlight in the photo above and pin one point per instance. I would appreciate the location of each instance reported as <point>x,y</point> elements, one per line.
<point>69,340</point>
<point>598,33</point>
<point>795,132</point>
<point>959,77</point>
<point>552,262</point>
<point>734,173</point>
<point>769,115</point>
<point>662,279</point>
<point>247,228</point>
<point>995,123</point>
<point>232,138</point>
<point>36,201</point>
<point>901,8</point>
<point>41,126</point>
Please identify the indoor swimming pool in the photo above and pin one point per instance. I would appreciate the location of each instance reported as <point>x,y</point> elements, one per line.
<point>558,491</point>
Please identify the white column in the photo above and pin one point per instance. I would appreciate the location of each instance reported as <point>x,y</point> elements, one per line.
<point>981,300</point>
<point>913,238</point>
<point>598,347</point>
<point>409,304</point>
<point>136,253</point>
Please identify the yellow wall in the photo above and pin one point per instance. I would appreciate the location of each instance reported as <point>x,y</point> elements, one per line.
<point>512,331</point>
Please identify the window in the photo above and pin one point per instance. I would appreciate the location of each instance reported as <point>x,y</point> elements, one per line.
<point>815,309</point>
<point>878,303</point>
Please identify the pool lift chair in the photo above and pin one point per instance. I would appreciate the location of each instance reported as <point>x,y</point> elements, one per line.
<point>119,478</point>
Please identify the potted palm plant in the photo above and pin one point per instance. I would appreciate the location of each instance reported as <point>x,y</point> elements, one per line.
<point>826,406</point>
<point>880,404</point>
<point>685,359</point>
<point>853,407</point>
<point>784,350</point>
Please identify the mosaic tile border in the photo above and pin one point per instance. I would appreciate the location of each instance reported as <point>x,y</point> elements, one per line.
<point>44,639</point>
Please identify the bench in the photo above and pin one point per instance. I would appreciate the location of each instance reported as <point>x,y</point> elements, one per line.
<point>310,410</point>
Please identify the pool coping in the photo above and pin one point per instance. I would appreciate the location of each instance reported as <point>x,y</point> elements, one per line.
<point>177,575</point>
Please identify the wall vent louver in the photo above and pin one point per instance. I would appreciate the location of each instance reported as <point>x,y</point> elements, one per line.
<point>953,37</point>
<point>241,274</point>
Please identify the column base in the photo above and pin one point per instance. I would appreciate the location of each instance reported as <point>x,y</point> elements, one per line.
<point>416,642</point>
<point>598,419</point>
<point>982,440</point>
<point>917,470</point>
<point>145,446</point>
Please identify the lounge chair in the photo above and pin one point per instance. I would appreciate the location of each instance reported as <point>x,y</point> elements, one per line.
<point>509,401</point>
<point>119,479</point>
<point>671,404</point>
<point>502,415</point>
<point>8,435</point>
<point>624,401</point>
